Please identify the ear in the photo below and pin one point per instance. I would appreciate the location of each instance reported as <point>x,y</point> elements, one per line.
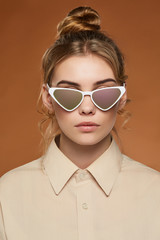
<point>122,101</point>
<point>46,99</point>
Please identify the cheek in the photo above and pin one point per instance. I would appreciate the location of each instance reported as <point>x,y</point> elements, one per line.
<point>63,117</point>
<point>59,111</point>
<point>109,117</point>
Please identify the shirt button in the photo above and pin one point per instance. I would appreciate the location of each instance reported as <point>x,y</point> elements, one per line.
<point>85,206</point>
<point>82,175</point>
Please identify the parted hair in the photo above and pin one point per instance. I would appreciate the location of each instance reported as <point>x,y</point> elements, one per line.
<point>79,33</point>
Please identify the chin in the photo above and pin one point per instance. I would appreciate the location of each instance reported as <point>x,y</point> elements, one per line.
<point>89,140</point>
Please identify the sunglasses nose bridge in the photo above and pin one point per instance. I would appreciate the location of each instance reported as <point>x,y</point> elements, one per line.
<point>88,93</point>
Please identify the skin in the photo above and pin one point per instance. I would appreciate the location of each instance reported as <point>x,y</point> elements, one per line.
<point>85,73</point>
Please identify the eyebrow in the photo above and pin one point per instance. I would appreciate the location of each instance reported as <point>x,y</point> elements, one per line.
<point>78,85</point>
<point>105,80</point>
<point>68,82</point>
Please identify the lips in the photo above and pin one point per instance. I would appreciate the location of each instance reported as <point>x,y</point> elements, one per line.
<point>87,127</point>
<point>87,124</point>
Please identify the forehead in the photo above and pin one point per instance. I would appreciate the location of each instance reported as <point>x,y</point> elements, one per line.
<point>82,69</point>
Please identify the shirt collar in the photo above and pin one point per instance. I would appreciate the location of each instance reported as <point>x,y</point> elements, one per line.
<point>104,170</point>
<point>58,167</point>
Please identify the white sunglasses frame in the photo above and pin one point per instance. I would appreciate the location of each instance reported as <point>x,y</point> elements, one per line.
<point>51,91</point>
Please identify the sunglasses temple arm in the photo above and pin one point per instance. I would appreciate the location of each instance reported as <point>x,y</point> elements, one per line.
<point>47,86</point>
<point>124,85</point>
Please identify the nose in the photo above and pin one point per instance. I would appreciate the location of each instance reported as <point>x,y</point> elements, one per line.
<point>87,107</point>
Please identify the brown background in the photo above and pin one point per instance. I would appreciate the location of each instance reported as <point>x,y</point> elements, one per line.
<point>28,27</point>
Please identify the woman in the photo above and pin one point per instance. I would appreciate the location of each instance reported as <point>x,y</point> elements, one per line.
<point>83,187</point>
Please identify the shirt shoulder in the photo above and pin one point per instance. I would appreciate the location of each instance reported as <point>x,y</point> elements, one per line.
<point>140,174</point>
<point>132,165</point>
<point>21,174</point>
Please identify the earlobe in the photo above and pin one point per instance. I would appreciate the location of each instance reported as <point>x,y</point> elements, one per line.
<point>46,99</point>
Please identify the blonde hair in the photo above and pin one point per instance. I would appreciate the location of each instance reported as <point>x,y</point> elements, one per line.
<point>78,34</point>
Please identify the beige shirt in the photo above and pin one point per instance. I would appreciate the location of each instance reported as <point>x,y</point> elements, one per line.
<point>115,198</point>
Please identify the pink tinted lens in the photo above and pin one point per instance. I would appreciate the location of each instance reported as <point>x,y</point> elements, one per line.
<point>105,98</point>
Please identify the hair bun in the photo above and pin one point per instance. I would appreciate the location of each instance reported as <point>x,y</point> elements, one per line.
<point>79,19</point>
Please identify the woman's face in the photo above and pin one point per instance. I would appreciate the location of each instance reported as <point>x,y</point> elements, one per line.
<point>86,125</point>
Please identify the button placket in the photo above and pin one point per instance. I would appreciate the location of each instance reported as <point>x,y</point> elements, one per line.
<point>82,175</point>
<point>85,218</point>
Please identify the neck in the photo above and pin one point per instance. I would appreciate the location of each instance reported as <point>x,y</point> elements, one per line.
<point>83,155</point>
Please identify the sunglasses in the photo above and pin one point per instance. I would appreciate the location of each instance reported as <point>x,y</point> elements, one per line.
<point>103,98</point>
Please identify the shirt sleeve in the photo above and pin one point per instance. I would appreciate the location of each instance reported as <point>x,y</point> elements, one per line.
<point>2,229</point>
